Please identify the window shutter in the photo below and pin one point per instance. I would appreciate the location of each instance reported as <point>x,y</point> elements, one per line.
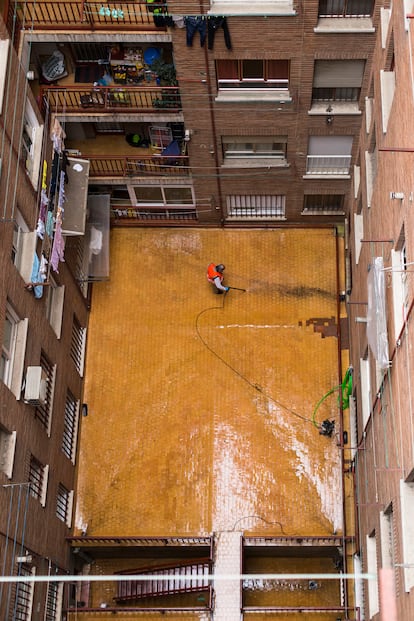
<point>277,69</point>
<point>338,73</point>
<point>227,70</point>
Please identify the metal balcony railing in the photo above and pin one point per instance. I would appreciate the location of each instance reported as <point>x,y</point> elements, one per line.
<point>70,99</point>
<point>141,165</point>
<point>328,164</point>
<point>81,15</point>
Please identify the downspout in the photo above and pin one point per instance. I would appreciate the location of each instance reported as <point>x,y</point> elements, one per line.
<point>213,123</point>
<point>341,426</point>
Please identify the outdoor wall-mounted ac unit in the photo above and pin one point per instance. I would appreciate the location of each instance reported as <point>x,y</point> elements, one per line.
<point>35,390</point>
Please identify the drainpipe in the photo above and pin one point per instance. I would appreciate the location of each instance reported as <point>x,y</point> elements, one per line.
<point>341,426</point>
<point>213,123</point>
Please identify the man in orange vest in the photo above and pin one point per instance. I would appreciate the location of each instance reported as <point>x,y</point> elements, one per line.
<point>215,276</point>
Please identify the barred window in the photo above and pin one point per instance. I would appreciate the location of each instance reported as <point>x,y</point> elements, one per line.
<point>64,504</point>
<point>77,348</point>
<point>38,479</point>
<point>53,601</point>
<point>256,206</point>
<point>43,411</point>
<point>323,204</point>
<point>24,596</point>
<point>70,426</point>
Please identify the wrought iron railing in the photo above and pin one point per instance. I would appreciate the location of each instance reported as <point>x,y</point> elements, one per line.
<point>81,15</point>
<point>346,8</point>
<point>158,99</point>
<point>141,165</point>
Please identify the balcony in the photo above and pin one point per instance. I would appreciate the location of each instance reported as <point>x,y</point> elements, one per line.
<point>74,98</point>
<point>81,16</point>
<point>121,166</point>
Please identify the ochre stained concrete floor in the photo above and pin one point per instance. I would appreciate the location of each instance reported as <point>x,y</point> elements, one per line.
<point>201,406</point>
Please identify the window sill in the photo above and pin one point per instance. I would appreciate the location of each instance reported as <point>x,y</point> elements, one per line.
<point>337,108</point>
<point>314,212</point>
<point>258,218</point>
<point>326,176</point>
<point>260,7</point>
<point>232,95</point>
<point>247,162</point>
<point>344,25</point>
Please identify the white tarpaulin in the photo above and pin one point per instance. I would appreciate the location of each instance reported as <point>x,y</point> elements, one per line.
<point>376,316</point>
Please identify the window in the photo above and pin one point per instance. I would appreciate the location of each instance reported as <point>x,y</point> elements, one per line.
<point>173,196</point>
<point>24,247</point>
<point>7,448</point>
<point>77,348</point>
<point>399,284</point>
<point>387,82</point>
<point>251,73</point>
<point>43,412</point>
<point>371,168</point>
<point>4,54</point>
<point>38,475</point>
<point>329,155</point>
<point>365,389</point>
<point>24,595</point>
<point>346,8</point>
<point>70,428</point>
<point>372,568</point>
<point>64,504</point>
<point>246,150</point>
<point>407,532</point>
<point>323,204</point>
<point>253,207</point>
<point>13,350</point>
<point>54,601</point>
<point>337,81</point>
<point>31,148</point>
<point>54,306</point>
<point>387,537</point>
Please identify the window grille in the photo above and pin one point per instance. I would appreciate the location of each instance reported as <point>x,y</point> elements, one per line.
<point>323,204</point>
<point>64,504</point>
<point>70,426</point>
<point>36,477</point>
<point>52,602</point>
<point>256,206</point>
<point>77,348</point>
<point>43,412</point>
<point>24,596</point>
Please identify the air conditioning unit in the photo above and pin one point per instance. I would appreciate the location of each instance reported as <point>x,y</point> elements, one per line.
<point>35,389</point>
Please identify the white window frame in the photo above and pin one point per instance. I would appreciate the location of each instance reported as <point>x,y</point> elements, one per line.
<point>34,131</point>
<point>54,306</point>
<point>407,532</point>
<point>387,540</point>
<point>256,207</point>
<point>4,56</point>
<point>387,82</point>
<point>358,235</point>
<point>7,451</point>
<point>164,201</point>
<point>14,366</point>
<point>399,288</point>
<point>371,169</point>
<point>372,568</point>
<point>365,390</point>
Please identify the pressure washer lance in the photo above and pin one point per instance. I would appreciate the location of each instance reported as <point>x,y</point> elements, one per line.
<point>237,289</point>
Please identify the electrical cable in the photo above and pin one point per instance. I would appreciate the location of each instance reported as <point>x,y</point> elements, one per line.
<point>235,371</point>
<point>259,517</point>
